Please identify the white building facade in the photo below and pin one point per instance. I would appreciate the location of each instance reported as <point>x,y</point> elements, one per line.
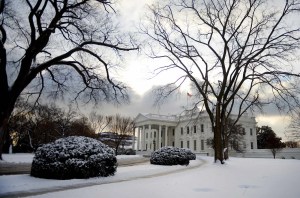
<point>189,131</point>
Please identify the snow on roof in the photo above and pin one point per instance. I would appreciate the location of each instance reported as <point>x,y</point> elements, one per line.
<point>173,118</point>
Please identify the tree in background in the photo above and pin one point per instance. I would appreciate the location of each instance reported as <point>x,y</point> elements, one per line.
<point>48,46</point>
<point>81,127</point>
<point>99,122</point>
<point>123,127</point>
<point>31,126</point>
<point>267,139</point>
<point>291,144</point>
<point>20,127</point>
<point>293,131</point>
<point>238,55</point>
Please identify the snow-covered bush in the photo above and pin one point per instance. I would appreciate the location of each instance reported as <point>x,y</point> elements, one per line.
<point>74,157</point>
<point>189,154</point>
<point>172,156</point>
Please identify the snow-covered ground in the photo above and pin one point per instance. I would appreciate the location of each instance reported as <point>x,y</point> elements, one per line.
<point>17,158</point>
<point>239,177</point>
<point>28,157</point>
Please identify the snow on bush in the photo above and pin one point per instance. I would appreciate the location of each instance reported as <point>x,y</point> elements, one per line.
<point>74,157</point>
<point>172,156</point>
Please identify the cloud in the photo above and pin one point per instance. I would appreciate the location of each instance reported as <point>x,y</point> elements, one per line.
<point>141,104</point>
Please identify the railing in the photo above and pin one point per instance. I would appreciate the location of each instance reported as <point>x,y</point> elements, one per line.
<point>165,117</point>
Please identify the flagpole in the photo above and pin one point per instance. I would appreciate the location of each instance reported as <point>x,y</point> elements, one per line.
<point>187,101</point>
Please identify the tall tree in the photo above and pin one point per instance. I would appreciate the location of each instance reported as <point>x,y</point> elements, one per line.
<point>46,46</point>
<point>267,139</point>
<point>123,127</point>
<point>238,54</point>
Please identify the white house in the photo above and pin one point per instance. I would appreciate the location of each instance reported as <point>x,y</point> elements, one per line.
<point>185,131</point>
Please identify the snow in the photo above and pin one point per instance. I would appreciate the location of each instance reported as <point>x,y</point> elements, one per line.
<point>28,157</point>
<point>239,177</point>
<point>17,158</point>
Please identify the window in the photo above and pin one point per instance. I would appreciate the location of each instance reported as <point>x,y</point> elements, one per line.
<point>173,132</point>
<point>173,143</point>
<point>181,130</point>
<point>244,131</point>
<point>202,128</point>
<point>151,135</point>
<point>181,144</point>
<point>195,128</point>
<point>195,145</point>
<point>146,146</point>
<point>161,145</point>
<point>154,134</point>
<point>251,132</point>
<point>188,144</point>
<point>202,145</point>
<point>252,146</point>
<point>146,135</point>
<point>187,130</point>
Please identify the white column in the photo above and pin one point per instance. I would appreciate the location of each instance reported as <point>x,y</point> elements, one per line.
<point>159,137</point>
<point>138,139</point>
<point>149,132</point>
<point>166,136</point>
<point>133,138</point>
<point>143,138</point>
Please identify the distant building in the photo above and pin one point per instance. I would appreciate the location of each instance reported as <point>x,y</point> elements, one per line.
<point>110,139</point>
<point>185,131</point>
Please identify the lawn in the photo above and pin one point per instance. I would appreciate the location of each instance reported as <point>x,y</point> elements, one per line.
<point>239,177</point>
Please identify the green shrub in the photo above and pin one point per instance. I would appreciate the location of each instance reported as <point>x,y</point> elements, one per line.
<point>172,156</point>
<point>74,157</point>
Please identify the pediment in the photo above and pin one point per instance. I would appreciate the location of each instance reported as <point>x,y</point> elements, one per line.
<point>140,118</point>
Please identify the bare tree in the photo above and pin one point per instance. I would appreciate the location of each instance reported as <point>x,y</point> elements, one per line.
<point>64,120</point>
<point>293,131</point>
<point>30,126</point>
<point>123,127</point>
<point>99,122</point>
<point>48,46</point>
<point>238,54</point>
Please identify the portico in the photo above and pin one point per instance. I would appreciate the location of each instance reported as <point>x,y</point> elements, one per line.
<point>154,131</point>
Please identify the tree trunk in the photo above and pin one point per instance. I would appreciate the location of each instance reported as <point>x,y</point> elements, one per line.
<point>273,153</point>
<point>225,143</point>
<point>3,131</point>
<point>6,109</point>
<point>218,136</point>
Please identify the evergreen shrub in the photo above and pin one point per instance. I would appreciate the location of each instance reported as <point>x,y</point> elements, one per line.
<point>172,156</point>
<point>74,157</point>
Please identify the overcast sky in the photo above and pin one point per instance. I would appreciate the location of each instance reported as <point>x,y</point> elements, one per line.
<point>137,73</point>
